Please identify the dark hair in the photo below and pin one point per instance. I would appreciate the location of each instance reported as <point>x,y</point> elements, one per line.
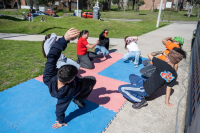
<point>83,32</point>
<point>66,73</point>
<point>46,37</point>
<point>179,50</point>
<point>105,30</point>
<point>125,42</point>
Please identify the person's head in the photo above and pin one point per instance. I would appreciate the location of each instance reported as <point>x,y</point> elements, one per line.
<point>67,73</point>
<point>105,32</point>
<point>127,41</point>
<point>84,34</point>
<point>46,37</point>
<point>179,41</point>
<point>175,55</point>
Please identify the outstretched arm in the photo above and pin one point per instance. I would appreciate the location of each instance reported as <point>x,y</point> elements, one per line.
<point>168,92</point>
<point>92,46</point>
<point>54,54</point>
<point>151,55</point>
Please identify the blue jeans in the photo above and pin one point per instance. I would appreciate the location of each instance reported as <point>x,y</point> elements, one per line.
<point>130,55</point>
<point>134,91</point>
<point>102,49</point>
<point>32,17</point>
<point>67,61</point>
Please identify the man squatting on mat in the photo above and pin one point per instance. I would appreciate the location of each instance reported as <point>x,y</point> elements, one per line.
<point>164,74</point>
<point>63,83</point>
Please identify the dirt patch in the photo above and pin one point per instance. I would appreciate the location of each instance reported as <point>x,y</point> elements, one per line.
<point>67,14</point>
<point>8,9</point>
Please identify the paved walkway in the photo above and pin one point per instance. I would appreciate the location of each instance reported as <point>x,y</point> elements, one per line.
<point>156,117</point>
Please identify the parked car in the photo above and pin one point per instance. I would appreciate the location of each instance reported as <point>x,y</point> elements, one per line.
<point>49,11</point>
<point>38,13</point>
<point>87,15</point>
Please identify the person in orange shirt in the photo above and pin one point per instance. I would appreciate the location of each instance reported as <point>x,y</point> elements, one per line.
<point>170,43</point>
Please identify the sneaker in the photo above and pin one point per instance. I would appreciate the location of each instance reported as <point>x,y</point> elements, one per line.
<point>136,65</point>
<point>81,105</point>
<point>140,104</point>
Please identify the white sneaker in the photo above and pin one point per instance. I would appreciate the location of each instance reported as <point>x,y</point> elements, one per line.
<point>136,65</point>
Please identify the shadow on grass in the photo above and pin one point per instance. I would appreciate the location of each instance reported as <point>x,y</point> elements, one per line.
<point>10,18</point>
<point>142,14</point>
<point>163,25</point>
<point>50,29</point>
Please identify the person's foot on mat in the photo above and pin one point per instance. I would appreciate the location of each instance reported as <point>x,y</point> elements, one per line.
<point>81,105</point>
<point>140,104</point>
<point>136,65</point>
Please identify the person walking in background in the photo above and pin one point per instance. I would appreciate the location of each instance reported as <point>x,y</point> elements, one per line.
<point>84,57</point>
<point>29,17</point>
<point>103,45</point>
<point>133,54</point>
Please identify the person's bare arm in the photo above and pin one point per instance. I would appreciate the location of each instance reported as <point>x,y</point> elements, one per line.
<point>151,55</point>
<point>168,92</point>
<point>176,67</point>
<point>135,38</point>
<point>164,41</point>
<point>92,46</point>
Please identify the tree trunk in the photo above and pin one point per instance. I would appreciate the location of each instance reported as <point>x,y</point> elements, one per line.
<point>136,5</point>
<point>133,4</point>
<point>118,5</point>
<point>18,4</point>
<point>69,5</point>
<point>152,6</point>
<point>4,4</point>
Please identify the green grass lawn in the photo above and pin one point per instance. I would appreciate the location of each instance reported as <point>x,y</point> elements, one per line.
<point>61,25</point>
<point>23,60</point>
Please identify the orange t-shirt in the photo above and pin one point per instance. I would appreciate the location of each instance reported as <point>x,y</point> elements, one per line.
<point>169,47</point>
<point>81,48</point>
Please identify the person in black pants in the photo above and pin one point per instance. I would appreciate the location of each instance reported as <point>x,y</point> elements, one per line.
<point>63,83</point>
<point>84,57</point>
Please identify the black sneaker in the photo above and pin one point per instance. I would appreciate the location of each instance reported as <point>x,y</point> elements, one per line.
<point>77,61</point>
<point>81,105</point>
<point>140,104</point>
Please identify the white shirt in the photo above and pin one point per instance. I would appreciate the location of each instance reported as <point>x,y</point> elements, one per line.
<point>132,46</point>
<point>49,43</point>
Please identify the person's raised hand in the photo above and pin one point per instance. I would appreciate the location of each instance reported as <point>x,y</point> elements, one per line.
<point>57,125</point>
<point>71,34</point>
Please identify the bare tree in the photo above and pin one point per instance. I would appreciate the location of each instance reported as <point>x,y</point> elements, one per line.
<point>152,6</point>
<point>118,5</point>
<point>19,4</point>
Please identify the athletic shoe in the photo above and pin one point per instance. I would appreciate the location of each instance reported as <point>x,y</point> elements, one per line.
<point>136,65</point>
<point>77,61</point>
<point>81,105</point>
<point>140,104</point>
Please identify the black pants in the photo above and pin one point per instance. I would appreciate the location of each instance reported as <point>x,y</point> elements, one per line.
<point>148,69</point>
<point>85,60</point>
<point>85,88</point>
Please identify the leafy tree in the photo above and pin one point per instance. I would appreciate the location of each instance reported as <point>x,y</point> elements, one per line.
<point>114,1</point>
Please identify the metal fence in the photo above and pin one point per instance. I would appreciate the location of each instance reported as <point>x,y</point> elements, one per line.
<point>193,100</point>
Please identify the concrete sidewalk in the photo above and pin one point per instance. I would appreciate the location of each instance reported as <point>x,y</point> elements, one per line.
<point>156,117</point>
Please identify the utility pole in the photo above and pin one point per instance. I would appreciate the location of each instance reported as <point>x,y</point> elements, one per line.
<point>157,25</point>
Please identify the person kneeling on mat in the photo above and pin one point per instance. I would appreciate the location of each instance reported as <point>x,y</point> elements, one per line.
<point>63,83</point>
<point>103,45</point>
<point>164,74</point>
<point>84,57</point>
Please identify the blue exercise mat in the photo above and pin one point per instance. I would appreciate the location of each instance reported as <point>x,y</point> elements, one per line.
<point>29,108</point>
<point>121,70</point>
